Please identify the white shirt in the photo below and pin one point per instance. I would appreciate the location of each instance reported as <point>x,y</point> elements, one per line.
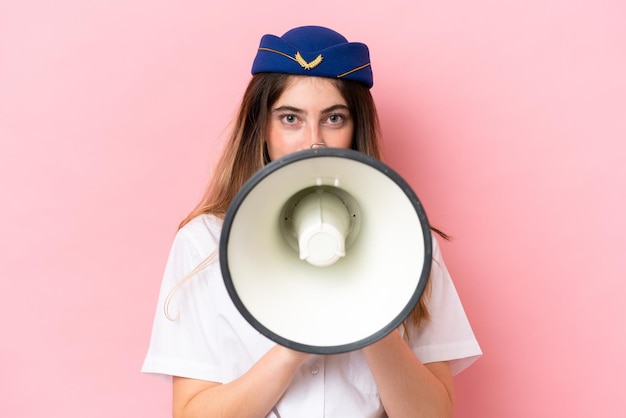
<point>210,340</point>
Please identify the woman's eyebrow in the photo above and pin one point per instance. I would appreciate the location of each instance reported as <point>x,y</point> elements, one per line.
<point>335,108</point>
<point>291,109</point>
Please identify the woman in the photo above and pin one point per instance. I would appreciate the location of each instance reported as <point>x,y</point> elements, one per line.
<point>310,88</point>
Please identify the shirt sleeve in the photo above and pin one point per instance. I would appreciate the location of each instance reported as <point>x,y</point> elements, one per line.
<point>447,335</point>
<point>181,346</point>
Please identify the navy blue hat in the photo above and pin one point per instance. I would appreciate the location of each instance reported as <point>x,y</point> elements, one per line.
<point>314,51</point>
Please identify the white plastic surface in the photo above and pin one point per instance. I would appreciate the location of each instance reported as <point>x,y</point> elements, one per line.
<point>321,223</point>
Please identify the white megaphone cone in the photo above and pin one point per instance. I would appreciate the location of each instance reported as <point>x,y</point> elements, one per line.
<point>325,250</point>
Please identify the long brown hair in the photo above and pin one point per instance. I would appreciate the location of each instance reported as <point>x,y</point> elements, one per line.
<point>246,152</point>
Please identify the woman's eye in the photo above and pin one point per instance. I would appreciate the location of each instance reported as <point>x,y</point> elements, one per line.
<point>289,119</point>
<point>335,119</point>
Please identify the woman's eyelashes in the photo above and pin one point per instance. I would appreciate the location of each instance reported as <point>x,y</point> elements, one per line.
<point>290,119</point>
<point>336,119</point>
<point>333,120</point>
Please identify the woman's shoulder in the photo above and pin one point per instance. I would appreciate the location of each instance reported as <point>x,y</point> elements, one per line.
<point>202,233</point>
<point>202,224</point>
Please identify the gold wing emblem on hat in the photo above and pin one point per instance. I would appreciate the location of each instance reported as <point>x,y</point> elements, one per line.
<point>308,65</point>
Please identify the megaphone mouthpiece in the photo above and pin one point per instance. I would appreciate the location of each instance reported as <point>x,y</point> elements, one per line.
<point>321,222</point>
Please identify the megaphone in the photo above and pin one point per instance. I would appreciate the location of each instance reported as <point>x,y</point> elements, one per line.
<point>325,250</point>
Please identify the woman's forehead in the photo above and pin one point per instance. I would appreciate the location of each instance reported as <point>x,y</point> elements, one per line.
<point>307,90</point>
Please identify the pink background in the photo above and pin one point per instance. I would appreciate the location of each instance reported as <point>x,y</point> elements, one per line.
<point>507,117</point>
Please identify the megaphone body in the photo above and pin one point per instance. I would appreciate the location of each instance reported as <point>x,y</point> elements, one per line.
<point>325,250</point>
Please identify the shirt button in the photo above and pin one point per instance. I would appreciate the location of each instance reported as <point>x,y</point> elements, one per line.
<point>314,370</point>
